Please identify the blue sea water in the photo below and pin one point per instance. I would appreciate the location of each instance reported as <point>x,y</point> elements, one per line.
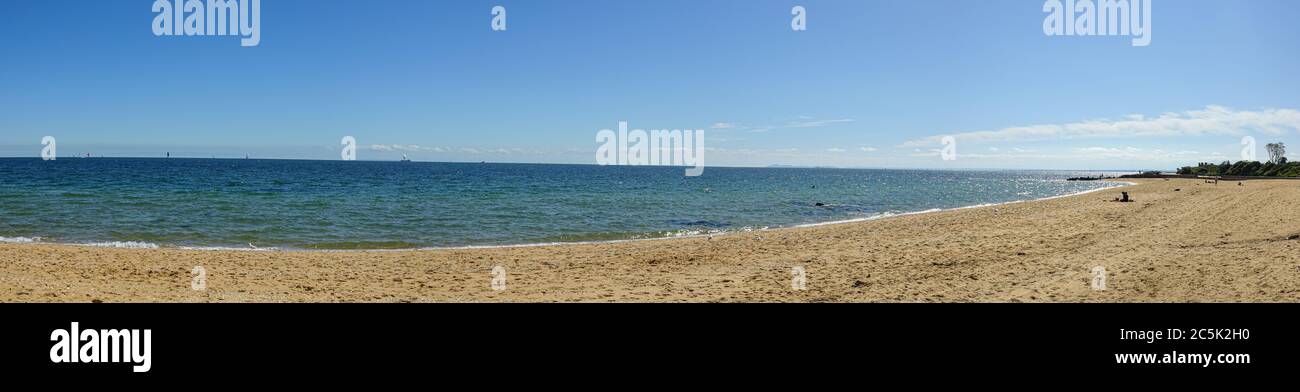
<point>289,204</point>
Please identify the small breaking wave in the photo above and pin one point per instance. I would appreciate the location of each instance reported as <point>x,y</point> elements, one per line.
<point>20,240</point>
<point>229,248</point>
<point>124,245</point>
<point>363,245</point>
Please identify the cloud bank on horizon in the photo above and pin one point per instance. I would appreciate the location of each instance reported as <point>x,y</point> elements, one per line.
<point>1212,120</point>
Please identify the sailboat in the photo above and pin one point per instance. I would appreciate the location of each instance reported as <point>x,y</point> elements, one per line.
<point>405,159</point>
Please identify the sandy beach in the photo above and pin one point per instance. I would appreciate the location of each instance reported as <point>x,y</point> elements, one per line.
<point>1203,243</point>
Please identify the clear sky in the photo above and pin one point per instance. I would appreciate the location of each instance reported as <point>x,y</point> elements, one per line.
<point>868,84</point>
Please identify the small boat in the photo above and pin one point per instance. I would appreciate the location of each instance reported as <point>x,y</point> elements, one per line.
<point>405,159</point>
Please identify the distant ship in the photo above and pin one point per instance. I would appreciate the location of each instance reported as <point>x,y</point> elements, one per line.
<point>405,159</point>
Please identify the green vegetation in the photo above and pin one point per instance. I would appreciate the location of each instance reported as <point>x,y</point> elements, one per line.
<point>1245,168</point>
<point>1277,166</point>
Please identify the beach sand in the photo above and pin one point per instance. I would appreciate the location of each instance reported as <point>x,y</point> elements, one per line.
<point>1205,243</point>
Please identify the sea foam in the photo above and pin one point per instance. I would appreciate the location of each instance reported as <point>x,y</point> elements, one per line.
<point>125,245</point>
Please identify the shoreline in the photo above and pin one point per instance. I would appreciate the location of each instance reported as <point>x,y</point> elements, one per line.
<point>882,216</point>
<point>934,210</point>
<point>1180,241</point>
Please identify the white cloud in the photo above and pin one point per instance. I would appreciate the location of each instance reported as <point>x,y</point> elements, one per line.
<point>835,149</point>
<point>1138,154</point>
<point>1213,120</point>
<point>406,148</point>
<point>868,149</point>
<point>464,150</point>
<point>802,122</point>
<point>816,123</point>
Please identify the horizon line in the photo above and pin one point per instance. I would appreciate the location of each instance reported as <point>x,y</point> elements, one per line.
<point>769,166</point>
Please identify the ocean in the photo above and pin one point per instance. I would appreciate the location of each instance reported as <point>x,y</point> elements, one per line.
<point>344,205</point>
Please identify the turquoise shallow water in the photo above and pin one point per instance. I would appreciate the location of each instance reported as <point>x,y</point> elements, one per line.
<point>393,205</point>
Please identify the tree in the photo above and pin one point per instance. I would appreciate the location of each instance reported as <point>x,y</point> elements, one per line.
<point>1276,152</point>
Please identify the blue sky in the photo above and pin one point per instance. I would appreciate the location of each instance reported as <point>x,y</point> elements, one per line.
<point>869,84</point>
